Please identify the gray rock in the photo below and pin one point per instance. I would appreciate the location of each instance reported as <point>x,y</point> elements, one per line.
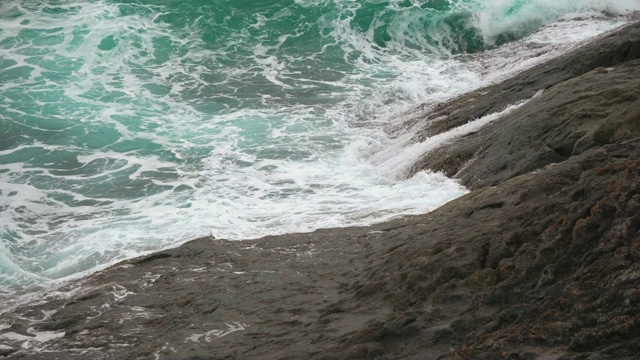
<point>540,261</point>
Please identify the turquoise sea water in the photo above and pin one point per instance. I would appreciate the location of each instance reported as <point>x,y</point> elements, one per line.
<point>131,126</point>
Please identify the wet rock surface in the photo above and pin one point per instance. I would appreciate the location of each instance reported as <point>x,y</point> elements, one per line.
<point>589,98</point>
<point>540,261</point>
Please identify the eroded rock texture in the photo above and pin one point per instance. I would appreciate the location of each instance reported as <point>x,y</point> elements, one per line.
<point>540,261</point>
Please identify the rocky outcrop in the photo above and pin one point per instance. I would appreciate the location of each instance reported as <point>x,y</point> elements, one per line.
<point>586,94</point>
<point>544,261</point>
<point>540,261</point>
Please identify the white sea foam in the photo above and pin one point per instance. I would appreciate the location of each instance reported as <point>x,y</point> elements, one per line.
<point>492,22</point>
<point>35,340</point>
<point>216,334</point>
<point>38,336</point>
<point>400,161</point>
<point>269,149</point>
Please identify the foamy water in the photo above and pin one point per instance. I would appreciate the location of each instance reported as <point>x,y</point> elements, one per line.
<point>128,128</point>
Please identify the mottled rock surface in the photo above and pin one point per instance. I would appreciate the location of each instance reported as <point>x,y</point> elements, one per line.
<point>540,261</point>
<point>590,98</point>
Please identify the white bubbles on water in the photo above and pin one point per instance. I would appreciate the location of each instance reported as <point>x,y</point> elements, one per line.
<point>132,135</point>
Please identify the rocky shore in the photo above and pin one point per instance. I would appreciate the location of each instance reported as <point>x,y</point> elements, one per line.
<point>540,261</point>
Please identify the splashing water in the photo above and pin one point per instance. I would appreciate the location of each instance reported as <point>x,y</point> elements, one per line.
<point>130,126</point>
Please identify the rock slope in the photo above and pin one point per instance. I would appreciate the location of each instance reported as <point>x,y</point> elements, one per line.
<point>540,261</point>
<point>587,104</point>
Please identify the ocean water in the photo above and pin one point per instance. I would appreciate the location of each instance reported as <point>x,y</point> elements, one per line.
<point>128,126</point>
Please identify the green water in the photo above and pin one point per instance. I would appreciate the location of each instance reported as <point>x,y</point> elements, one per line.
<point>130,126</point>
